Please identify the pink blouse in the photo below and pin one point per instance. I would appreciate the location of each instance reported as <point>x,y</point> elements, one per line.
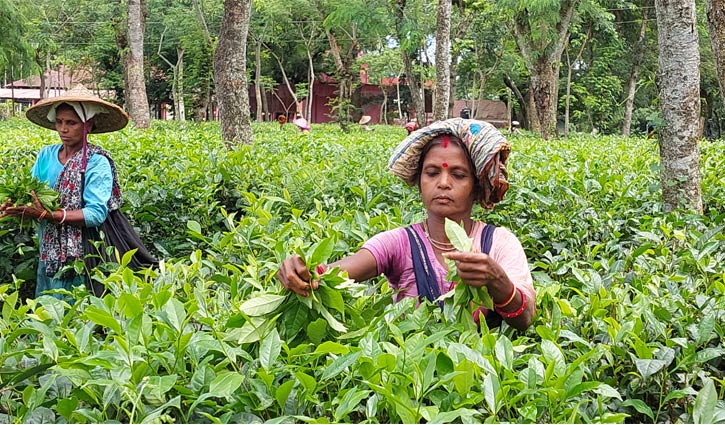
<point>391,250</point>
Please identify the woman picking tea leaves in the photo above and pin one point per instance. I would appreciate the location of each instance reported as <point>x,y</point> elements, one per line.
<point>455,164</point>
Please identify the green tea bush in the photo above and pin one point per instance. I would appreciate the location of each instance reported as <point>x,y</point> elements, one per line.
<point>631,301</point>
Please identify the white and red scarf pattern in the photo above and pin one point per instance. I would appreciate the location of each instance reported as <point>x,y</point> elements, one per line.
<point>63,243</point>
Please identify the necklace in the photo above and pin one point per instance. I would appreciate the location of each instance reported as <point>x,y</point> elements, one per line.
<point>442,246</point>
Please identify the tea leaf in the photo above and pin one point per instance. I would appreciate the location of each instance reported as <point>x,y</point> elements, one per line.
<point>340,364</point>
<point>457,236</point>
<point>261,305</point>
<point>640,406</point>
<point>269,349</point>
<point>648,367</point>
<point>349,402</point>
<point>704,408</point>
<point>283,391</point>
<point>225,384</point>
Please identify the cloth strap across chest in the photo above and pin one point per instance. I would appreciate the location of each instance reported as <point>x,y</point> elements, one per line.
<point>425,278</point>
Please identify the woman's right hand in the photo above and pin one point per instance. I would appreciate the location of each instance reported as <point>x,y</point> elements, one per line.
<point>295,276</point>
<point>4,206</point>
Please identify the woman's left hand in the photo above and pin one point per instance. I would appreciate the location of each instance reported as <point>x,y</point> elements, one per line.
<point>4,207</point>
<point>34,211</point>
<point>479,269</point>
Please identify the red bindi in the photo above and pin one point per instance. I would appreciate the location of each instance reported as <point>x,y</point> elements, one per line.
<point>444,165</point>
<point>446,141</point>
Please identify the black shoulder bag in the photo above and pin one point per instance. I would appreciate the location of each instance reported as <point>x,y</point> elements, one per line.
<point>116,231</point>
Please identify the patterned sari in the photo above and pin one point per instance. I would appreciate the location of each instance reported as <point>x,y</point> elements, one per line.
<point>63,243</point>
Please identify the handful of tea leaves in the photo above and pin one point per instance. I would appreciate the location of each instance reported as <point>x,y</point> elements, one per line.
<point>20,190</point>
<point>464,294</point>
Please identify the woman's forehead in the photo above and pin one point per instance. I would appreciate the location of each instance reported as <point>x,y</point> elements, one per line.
<point>452,153</point>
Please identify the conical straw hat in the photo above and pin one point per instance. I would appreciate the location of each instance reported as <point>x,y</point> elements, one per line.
<point>111,118</point>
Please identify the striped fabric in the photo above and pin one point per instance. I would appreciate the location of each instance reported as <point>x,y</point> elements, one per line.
<point>486,145</point>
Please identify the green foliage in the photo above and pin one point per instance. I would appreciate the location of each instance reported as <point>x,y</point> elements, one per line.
<point>21,187</point>
<point>629,299</point>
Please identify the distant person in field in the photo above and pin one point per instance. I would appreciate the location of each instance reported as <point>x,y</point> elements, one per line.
<point>650,130</point>
<point>455,164</point>
<point>85,177</point>
<point>411,126</point>
<point>282,119</point>
<point>301,123</point>
<point>364,121</point>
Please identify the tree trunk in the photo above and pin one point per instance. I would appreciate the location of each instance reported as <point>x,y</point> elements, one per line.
<point>44,68</point>
<point>384,106</point>
<point>417,96</point>
<point>265,105</point>
<point>177,83</point>
<point>206,100</point>
<point>133,66</point>
<point>397,93</point>
<point>179,95</point>
<point>716,23</point>
<point>523,102</point>
<point>230,70</point>
<point>258,79</point>
<point>461,29</point>
<point>415,90</point>
<point>632,83</point>
<point>286,81</point>
<point>679,87</point>
<point>310,84</point>
<point>567,102</point>
<point>544,92</point>
<point>343,69</point>
<point>452,85</point>
<point>543,62</point>
<point>568,78</point>
<point>443,60</point>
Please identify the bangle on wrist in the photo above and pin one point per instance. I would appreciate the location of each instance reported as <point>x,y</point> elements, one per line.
<point>516,313</point>
<point>320,269</point>
<point>62,220</point>
<point>509,300</point>
<point>42,215</point>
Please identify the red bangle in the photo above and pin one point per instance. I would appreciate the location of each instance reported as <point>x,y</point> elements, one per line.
<point>516,313</point>
<point>320,269</point>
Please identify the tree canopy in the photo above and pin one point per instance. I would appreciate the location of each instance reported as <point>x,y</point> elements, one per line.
<point>603,54</point>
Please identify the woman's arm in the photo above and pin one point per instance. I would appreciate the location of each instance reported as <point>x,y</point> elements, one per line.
<point>295,276</point>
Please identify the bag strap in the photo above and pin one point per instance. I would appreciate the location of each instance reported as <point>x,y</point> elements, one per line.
<point>425,278</point>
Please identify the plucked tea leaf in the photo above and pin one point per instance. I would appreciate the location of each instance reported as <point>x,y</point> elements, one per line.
<point>457,235</point>
<point>321,252</point>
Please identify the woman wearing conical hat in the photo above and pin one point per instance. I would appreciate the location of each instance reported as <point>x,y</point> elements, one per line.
<point>83,174</point>
<point>455,164</point>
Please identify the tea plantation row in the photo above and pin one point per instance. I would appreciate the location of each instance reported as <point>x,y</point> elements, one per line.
<point>631,301</point>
